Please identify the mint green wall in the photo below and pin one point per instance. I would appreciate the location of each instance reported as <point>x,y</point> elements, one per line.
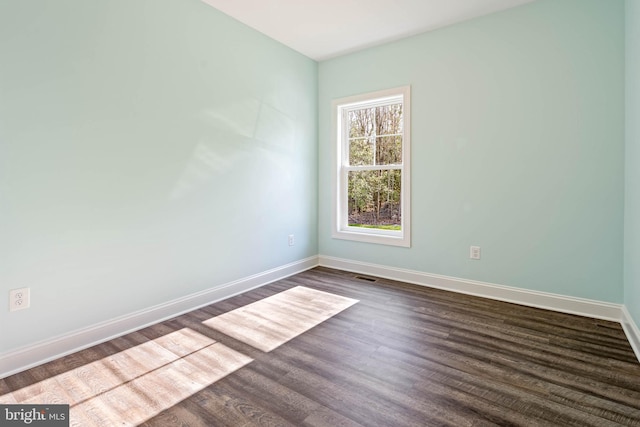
<point>145,146</point>
<point>148,150</point>
<point>517,145</point>
<point>632,166</point>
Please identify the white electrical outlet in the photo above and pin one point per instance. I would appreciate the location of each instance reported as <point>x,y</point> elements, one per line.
<point>474,252</point>
<point>292,240</point>
<point>19,299</point>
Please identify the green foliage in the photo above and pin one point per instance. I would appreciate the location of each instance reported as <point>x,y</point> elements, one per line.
<point>382,227</point>
<point>375,139</point>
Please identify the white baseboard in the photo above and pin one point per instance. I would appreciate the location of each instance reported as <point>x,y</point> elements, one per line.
<point>631,330</point>
<point>549,301</point>
<point>45,351</point>
<point>51,349</point>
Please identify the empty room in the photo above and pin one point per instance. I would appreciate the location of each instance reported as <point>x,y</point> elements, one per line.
<point>319,213</point>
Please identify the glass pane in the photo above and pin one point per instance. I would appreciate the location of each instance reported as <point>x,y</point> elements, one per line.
<point>389,120</point>
<point>361,152</point>
<point>361,123</point>
<point>389,150</point>
<point>374,199</point>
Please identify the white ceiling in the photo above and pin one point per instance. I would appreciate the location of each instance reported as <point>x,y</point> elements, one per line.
<point>321,29</point>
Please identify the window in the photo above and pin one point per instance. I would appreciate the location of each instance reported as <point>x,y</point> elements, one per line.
<point>371,191</point>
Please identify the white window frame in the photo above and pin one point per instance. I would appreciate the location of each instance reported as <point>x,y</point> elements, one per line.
<point>340,226</point>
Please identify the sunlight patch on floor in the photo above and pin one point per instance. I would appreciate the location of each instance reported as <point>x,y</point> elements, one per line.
<point>272,321</point>
<point>136,384</point>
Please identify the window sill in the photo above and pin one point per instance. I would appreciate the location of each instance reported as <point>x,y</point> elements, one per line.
<point>382,237</point>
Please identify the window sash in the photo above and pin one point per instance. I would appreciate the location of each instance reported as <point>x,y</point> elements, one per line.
<point>341,227</point>
<point>372,168</point>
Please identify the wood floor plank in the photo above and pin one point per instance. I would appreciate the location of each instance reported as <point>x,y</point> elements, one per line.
<point>403,355</point>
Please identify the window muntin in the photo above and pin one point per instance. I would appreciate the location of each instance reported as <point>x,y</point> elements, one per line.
<point>372,167</point>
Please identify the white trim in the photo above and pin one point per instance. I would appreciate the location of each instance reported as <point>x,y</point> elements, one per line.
<point>340,228</point>
<point>631,330</point>
<point>545,300</point>
<point>51,349</point>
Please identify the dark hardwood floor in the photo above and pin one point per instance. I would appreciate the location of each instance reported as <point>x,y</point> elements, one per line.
<point>403,355</point>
